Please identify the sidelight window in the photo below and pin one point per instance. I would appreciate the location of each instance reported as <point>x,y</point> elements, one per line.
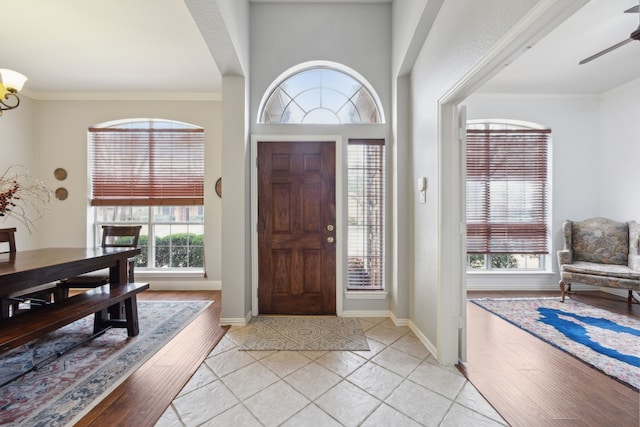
<point>366,184</point>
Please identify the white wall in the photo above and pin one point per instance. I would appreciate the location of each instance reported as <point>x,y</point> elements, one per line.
<point>619,153</point>
<point>460,36</point>
<point>53,134</point>
<point>286,34</point>
<point>575,169</point>
<point>356,35</point>
<point>594,163</point>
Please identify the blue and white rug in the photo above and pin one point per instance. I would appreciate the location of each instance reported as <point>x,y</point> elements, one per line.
<point>607,341</point>
<point>65,388</point>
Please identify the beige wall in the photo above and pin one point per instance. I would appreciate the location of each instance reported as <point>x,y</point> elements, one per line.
<point>53,134</point>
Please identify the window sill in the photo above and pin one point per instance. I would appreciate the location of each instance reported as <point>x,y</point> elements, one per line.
<point>366,294</point>
<point>510,273</point>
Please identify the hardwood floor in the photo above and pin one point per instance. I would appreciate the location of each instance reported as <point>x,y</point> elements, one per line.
<point>531,383</point>
<point>143,397</point>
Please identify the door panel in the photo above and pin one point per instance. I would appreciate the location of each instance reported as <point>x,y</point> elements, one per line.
<point>296,249</point>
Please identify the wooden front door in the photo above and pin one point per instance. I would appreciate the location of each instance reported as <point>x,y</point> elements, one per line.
<point>296,228</point>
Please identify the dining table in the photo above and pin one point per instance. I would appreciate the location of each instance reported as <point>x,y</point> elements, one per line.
<point>23,271</point>
<point>114,305</point>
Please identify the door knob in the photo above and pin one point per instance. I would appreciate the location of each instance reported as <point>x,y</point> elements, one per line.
<point>330,239</point>
<point>330,227</point>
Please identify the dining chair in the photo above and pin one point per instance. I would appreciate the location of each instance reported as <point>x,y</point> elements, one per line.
<point>10,304</point>
<point>7,235</point>
<point>113,236</point>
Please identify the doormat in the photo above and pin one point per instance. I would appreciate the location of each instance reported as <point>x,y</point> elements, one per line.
<point>65,388</point>
<point>305,333</point>
<point>607,341</point>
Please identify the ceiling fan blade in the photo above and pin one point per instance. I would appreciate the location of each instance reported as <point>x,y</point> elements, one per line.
<point>634,9</point>
<point>607,50</point>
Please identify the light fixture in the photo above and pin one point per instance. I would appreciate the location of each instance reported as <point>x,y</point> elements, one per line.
<point>11,83</point>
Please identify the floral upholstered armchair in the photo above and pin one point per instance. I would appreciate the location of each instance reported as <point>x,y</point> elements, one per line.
<point>600,252</point>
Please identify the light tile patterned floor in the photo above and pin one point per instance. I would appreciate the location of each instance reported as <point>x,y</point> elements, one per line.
<point>397,383</point>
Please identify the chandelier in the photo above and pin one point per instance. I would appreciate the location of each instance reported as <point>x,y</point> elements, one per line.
<point>11,83</point>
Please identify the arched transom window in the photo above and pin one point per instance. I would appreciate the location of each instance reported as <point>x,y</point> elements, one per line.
<point>319,93</point>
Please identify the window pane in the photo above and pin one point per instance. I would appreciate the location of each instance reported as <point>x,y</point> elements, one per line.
<point>177,235</point>
<point>323,96</point>
<point>477,261</point>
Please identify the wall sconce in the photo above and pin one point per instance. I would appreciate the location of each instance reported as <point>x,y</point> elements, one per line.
<point>11,83</point>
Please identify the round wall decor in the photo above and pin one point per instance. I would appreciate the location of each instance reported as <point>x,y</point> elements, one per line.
<point>61,193</point>
<point>219,187</point>
<point>60,174</point>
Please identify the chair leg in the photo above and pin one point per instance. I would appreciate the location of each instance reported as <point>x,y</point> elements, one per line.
<point>61,292</point>
<point>5,311</point>
<point>631,299</point>
<point>565,288</point>
<point>130,276</point>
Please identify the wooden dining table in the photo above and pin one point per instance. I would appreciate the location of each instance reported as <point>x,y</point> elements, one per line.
<point>24,271</point>
<point>114,305</point>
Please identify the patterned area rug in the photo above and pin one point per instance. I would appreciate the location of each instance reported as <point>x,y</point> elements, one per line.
<point>65,388</point>
<point>607,341</point>
<point>305,333</point>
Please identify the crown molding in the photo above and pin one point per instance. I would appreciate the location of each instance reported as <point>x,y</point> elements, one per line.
<point>122,96</point>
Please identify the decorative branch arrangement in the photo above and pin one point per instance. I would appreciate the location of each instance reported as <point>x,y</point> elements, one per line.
<point>23,197</point>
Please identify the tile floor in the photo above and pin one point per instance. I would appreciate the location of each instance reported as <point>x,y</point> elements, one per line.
<point>397,383</point>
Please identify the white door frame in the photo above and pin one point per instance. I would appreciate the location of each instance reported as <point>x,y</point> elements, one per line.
<point>340,220</point>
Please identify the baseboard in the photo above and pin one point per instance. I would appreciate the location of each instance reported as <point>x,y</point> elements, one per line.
<point>512,281</point>
<point>184,285</point>
<point>424,340</point>
<point>366,313</point>
<point>235,321</point>
<point>399,322</point>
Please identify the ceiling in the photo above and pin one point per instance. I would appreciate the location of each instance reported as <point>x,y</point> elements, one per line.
<point>123,46</point>
<point>154,47</point>
<point>551,65</point>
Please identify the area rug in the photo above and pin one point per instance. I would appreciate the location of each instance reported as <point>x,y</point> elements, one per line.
<point>305,333</point>
<point>63,389</point>
<point>607,341</point>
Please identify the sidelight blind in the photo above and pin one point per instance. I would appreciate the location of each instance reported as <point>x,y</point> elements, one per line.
<point>507,191</point>
<point>146,167</point>
<point>366,183</point>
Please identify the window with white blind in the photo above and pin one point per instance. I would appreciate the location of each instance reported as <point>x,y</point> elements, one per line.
<point>150,172</point>
<point>507,196</point>
<point>366,205</point>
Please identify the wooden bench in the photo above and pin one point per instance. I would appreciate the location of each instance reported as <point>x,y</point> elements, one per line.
<point>103,301</point>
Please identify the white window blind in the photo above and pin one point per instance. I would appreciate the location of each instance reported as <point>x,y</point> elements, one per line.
<point>366,186</point>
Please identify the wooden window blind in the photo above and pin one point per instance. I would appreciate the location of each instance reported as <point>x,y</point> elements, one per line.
<point>146,167</point>
<point>507,191</point>
<point>366,206</point>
